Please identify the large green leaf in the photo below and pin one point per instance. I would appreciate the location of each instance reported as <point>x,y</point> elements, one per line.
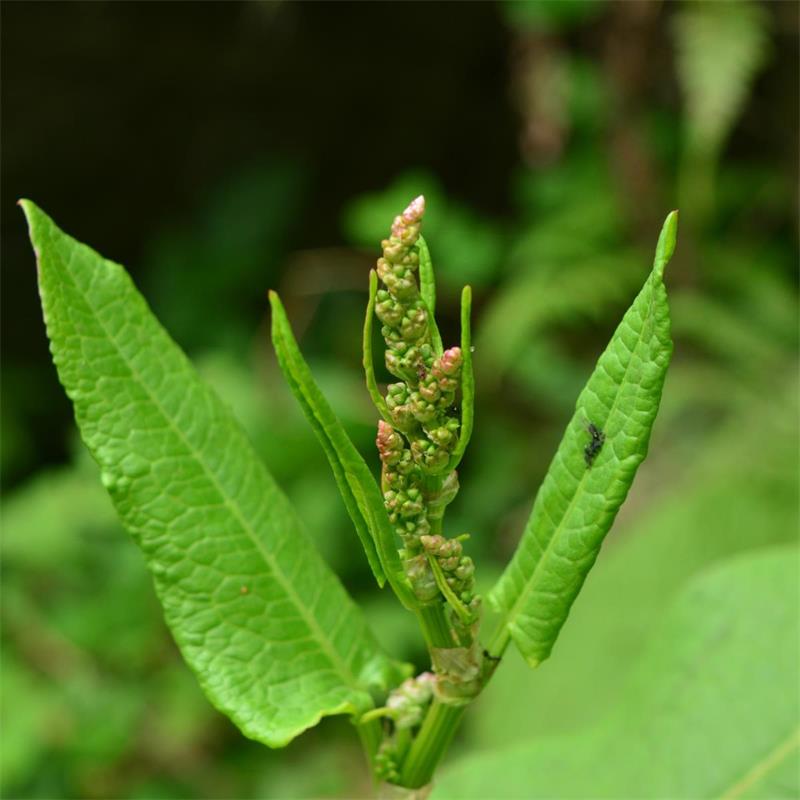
<point>711,710</point>
<point>275,640</point>
<point>701,498</point>
<point>580,497</point>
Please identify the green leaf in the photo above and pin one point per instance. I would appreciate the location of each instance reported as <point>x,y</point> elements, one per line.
<point>427,289</point>
<point>467,381</point>
<point>273,637</point>
<point>711,709</point>
<point>360,493</point>
<point>718,501</point>
<point>368,359</point>
<point>577,502</point>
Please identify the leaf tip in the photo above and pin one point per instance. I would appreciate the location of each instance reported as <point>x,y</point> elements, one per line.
<point>275,301</point>
<point>29,208</point>
<point>667,241</point>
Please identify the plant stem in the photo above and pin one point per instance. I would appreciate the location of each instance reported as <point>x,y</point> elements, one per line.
<point>500,640</point>
<point>434,625</point>
<point>431,743</point>
<point>370,734</point>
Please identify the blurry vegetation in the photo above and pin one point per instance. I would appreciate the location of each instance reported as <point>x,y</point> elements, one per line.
<point>624,110</point>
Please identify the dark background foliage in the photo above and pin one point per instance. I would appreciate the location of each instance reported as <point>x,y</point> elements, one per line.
<point>221,149</point>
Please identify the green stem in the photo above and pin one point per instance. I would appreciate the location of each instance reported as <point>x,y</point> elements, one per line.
<point>499,643</point>
<point>434,625</point>
<point>402,743</point>
<point>370,734</point>
<point>431,743</point>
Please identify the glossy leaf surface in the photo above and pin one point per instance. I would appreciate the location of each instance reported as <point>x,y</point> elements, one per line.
<point>588,480</point>
<point>273,637</point>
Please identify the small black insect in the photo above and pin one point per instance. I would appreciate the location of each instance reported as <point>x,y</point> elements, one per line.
<point>595,444</point>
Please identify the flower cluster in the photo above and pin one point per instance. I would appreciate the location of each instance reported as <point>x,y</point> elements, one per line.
<point>406,707</point>
<point>416,447</point>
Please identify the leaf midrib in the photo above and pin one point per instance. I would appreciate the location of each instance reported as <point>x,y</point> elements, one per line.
<point>767,764</point>
<point>341,667</point>
<point>528,586</point>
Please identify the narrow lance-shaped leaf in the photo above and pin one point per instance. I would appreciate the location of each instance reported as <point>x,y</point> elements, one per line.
<point>368,358</point>
<point>467,381</point>
<point>591,473</point>
<point>361,494</point>
<point>427,290</point>
<point>273,637</point>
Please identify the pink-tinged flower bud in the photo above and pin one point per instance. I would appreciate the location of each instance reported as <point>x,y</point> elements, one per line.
<point>390,444</point>
<point>410,218</point>
<point>448,364</point>
<point>415,210</point>
<point>429,391</point>
<point>392,479</point>
<point>390,499</point>
<point>432,543</point>
<point>448,564</point>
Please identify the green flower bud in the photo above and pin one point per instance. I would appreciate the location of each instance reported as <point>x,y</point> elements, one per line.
<point>423,411</point>
<point>465,570</point>
<point>428,455</point>
<point>389,310</point>
<point>446,435</point>
<point>403,365</point>
<point>408,503</point>
<point>397,394</point>
<point>410,699</point>
<point>414,324</point>
<point>421,578</point>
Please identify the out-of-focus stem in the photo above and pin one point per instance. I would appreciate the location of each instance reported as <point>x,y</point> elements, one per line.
<point>431,743</point>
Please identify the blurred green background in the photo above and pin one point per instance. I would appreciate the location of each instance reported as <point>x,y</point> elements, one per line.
<point>221,149</point>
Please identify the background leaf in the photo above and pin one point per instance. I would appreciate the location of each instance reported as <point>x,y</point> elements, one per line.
<point>711,710</point>
<point>273,637</point>
<point>577,502</point>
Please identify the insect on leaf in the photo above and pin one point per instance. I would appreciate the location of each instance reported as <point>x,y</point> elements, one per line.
<point>591,472</point>
<point>273,637</point>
